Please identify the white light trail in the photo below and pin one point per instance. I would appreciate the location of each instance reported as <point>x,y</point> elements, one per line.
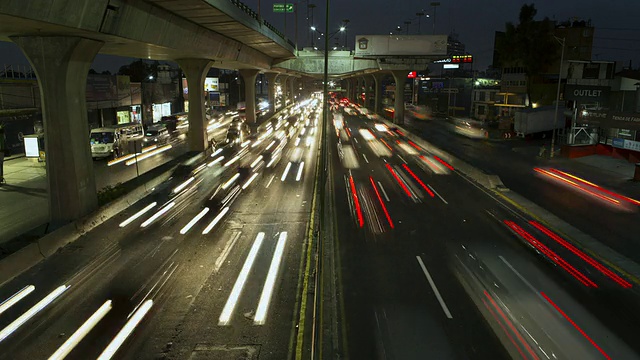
<point>138,214</point>
<point>303,131</point>
<point>82,331</point>
<point>148,155</point>
<point>4,333</point>
<point>227,311</point>
<point>124,333</point>
<point>270,145</point>
<point>299,175</point>
<point>234,159</point>
<point>244,144</point>
<point>256,161</point>
<point>215,161</point>
<point>267,291</point>
<point>157,215</point>
<point>258,142</point>
<point>218,151</point>
<point>297,141</point>
<point>183,185</point>
<point>231,181</point>
<point>286,171</point>
<point>13,299</point>
<point>193,221</point>
<point>215,221</point>
<point>246,184</point>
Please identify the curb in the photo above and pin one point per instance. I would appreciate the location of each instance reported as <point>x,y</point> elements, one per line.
<point>22,260</point>
<point>585,242</point>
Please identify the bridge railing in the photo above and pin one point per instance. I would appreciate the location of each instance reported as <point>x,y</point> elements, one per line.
<point>242,6</point>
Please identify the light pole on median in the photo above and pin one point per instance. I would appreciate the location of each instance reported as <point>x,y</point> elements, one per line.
<point>555,119</point>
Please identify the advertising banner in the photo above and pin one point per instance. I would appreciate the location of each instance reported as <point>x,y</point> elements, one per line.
<point>587,94</point>
<point>401,45</point>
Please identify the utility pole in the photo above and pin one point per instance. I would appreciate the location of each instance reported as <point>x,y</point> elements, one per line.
<point>407,23</point>
<point>346,35</point>
<point>311,28</point>
<point>555,117</point>
<point>419,14</point>
<point>435,4</point>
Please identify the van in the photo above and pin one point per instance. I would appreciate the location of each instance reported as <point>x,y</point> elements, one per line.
<point>115,141</point>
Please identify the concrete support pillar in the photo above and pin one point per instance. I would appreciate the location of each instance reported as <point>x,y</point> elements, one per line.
<point>271,90</point>
<point>249,77</point>
<point>293,88</point>
<point>352,89</point>
<point>367,91</point>
<point>399,76</point>
<point>196,71</point>
<point>61,65</point>
<point>377,91</point>
<point>358,90</point>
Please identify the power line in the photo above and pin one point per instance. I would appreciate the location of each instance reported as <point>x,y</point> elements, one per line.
<point>616,39</point>
<point>615,48</point>
<point>619,29</point>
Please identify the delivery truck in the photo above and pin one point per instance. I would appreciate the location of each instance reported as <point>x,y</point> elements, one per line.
<point>538,122</point>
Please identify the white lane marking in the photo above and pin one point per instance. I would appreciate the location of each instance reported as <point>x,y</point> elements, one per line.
<point>531,287</point>
<point>157,215</point>
<point>365,158</point>
<point>267,291</point>
<point>225,252</point>
<point>435,192</point>
<point>286,171</point>
<point>270,180</point>
<point>193,221</point>
<point>435,289</point>
<point>356,140</point>
<point>227,311</point>
<point>383,191</point>
<point>9,329</point>
<point>82,331</point>
<point>215,221</point>
<point>13,299</point>
<point>401,158</point>
<point>136,215</point>
<point>299,175</point>
<point>124,333</point>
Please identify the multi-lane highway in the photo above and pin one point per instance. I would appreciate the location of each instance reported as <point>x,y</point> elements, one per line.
<point>434,267</point>
<point>207,266</point>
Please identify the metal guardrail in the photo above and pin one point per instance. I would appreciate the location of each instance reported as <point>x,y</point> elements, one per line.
<point>17,72</point>
<point>242,6</point>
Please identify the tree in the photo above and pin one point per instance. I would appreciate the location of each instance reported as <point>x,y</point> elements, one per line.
<point>529,44</point>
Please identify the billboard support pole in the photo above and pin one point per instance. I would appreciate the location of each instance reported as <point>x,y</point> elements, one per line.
<point>555,119</point>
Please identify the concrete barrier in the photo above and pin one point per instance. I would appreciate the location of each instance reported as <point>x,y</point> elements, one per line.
<point>19,262</point>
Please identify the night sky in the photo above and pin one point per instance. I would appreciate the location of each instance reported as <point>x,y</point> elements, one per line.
<point>617,32</point>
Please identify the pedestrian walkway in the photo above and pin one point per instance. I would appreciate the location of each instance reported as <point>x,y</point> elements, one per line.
<point>18,170</point>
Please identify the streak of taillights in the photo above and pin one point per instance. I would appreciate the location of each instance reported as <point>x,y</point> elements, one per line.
<point>577,186</point>
<point>404,187</point>
<point>356,201</point>
<point>384,207</point>
<point>11,328</point>
<point>414,145</point>
<point>443,163</point>
<point>551,255</point>
<point>157,215</point>
<point>13,299</point>
<point>82,331</point>
<point>616,195</point>
<point>575,325</point>
<point>126,331</point>
<point>415,177</point>
<point>613,276</point>
<point>215,221</point>
<point>136,215</point>
<point>511,326</point>
<point>193,221</point>
<point>385,144</point>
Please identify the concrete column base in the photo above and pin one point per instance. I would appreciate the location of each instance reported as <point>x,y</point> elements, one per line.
<point>196,71</point>
<point>249,77</point>
<point>399,77</point>
<point>61,64</point>
<point>271,90</point>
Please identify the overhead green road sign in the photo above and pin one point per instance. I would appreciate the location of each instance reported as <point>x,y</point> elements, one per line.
<point>280,8</point>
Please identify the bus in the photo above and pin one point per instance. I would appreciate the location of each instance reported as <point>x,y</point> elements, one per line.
<point>115,141</point>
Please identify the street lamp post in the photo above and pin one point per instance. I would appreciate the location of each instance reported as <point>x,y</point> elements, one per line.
<point>407,23</point>
<point>419,14</point>
<point>434,4</point>
<point>555,116</point>
<point>312,6</point>
<point>345,22</point>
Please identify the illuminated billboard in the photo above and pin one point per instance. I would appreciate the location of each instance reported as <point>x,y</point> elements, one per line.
<point>399,45</point>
